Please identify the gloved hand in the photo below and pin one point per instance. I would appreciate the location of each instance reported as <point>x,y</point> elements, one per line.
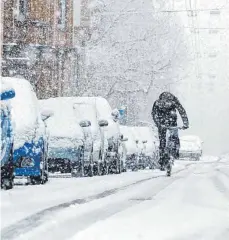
<point>162,127</point>
<point>185,126</point>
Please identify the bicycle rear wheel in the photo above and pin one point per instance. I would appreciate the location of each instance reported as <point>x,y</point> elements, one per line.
<point>169,169</point>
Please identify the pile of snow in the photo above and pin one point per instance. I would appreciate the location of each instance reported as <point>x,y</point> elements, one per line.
<point>25,112</point>
<point>63,127</point>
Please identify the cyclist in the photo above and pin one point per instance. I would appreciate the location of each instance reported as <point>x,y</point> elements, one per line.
<point>164,115</point>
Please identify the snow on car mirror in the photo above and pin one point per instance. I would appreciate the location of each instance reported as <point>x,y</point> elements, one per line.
<point>45,114</point>
<point>115,115</point>
<point>123,139</point>
<point>7,94</point>
<point>85,123</point>
<point>103,123</point>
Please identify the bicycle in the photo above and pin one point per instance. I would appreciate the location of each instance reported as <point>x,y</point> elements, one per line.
<point>170,148</point>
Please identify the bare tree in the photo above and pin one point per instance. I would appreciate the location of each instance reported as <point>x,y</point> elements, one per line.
<point>132,51</point>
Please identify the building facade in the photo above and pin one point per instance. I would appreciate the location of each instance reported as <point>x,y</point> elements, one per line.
<point>38,44</point>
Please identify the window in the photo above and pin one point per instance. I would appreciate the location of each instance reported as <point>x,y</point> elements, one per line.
<point>62,14</point>
<point>21,10</point>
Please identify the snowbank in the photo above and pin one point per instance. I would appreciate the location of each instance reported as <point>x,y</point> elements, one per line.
<point>25,112</point>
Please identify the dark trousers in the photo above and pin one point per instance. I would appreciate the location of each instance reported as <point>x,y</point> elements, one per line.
<point>174,140</point>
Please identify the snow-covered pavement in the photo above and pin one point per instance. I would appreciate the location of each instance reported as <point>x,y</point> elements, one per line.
<point>192,204</point>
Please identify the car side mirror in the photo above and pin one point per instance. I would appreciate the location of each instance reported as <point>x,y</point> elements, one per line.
<point>103,123</point>
<point>7,94</point>
<point>45,114</point>
<point>124,139</point>
<point>115,115</point>
<point>85,123</point>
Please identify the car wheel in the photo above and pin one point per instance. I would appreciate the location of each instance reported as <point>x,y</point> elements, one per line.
<point>91,171</point>
<point>100,169</point>
<point>44,178</point>
<point>35,180</point>
<point>105,168</point>
<point>7,183</point>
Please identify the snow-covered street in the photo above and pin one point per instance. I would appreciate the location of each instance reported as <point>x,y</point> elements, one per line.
<point>98,98</point>
<point>192,204</point>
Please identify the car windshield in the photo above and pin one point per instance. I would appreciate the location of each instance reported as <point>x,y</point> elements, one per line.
<point>64,153</point>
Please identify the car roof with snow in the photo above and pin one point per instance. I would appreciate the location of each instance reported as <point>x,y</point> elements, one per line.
<point>102,105</point>
<point>190,138</point>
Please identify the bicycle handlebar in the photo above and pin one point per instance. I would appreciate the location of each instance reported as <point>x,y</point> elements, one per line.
<point>175,128</point>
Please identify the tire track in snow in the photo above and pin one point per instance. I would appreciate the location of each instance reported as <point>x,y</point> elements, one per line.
<point>75,224</point>
<point>219,185</point>
<point>27,224</point>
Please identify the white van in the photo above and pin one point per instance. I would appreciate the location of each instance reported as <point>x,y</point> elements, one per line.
<point>112,131</point>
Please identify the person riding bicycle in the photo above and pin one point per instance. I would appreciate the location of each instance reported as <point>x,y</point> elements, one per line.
<point>164,115</point>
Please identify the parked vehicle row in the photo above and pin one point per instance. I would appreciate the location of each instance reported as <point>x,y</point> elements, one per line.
<point>84,134</point>
<point>76,135</point>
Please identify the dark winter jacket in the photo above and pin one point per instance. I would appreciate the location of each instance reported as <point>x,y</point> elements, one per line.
<point>164,111</point>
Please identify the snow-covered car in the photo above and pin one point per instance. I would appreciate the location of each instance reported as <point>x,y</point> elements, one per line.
<point>147,145</point>
<point>29,133</point>
<point>86,110</point>
<point>131,150</point>
<point>112,131</point>
<point>6,142</point>
<point>70,140</point>
<point>142,147</point>
<point>191,147</point>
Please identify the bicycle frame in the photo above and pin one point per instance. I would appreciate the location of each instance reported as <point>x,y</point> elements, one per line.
<point>170,144</point>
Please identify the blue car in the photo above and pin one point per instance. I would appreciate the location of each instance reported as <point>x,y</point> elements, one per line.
<point>6,138</point>
<point>30,138</point>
